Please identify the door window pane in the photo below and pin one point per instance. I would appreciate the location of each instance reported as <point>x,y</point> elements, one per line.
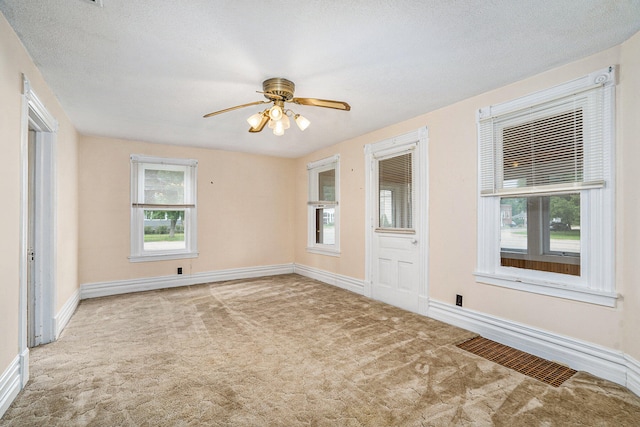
<point>395,192</point>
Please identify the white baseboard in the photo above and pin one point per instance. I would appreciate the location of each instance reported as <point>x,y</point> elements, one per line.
<point>24,367</point>
<point>633,374</point>
<point>603,362</point>
<point>344,282</point>
<point>10,385</point>
<point>64,315</point>
<point>101,289</point>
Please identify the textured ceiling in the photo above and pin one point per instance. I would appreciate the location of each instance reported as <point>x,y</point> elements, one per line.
<point>148,69</point>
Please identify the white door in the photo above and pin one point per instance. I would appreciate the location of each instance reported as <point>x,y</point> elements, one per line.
<point>397,222</point>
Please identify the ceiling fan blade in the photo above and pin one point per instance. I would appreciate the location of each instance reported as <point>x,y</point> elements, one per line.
<point>263,122</point>
<point>235,108</point>
<point>326,103</point>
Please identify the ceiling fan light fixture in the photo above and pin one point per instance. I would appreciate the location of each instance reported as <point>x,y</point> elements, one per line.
<point>276,112</point>
<point>278,129</point>
<point>278,91</point>
<point>301,121</point>
<point>286,123</point>
<point>255,120</point>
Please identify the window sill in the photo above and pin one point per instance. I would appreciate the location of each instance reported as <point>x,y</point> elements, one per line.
<point>550,288</point>
<point>162,257</point>
<point>323,251</point>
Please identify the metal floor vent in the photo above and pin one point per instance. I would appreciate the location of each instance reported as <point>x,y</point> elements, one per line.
<point>548,372</point>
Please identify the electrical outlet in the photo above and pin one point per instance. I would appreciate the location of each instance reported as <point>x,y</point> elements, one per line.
<point>459,300</point>
<point>179,270</point>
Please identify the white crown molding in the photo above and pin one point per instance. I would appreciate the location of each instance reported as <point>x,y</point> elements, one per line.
<point>101,289</point>
<point>10,385</point>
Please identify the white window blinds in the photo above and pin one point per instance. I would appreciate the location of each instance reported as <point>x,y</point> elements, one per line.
<point>548,147</point>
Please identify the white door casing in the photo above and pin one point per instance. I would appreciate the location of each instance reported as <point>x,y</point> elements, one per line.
<point>396,257</point>
<point>40,317</point>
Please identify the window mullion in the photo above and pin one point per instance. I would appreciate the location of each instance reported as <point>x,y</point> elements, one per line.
<point>545,217</point>
<point>534,226</point>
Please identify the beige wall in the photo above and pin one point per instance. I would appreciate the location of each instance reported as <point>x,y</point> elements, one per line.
<point>245,210</point>
<point>10,108</point>
<point>453,179</point>
<point>14,61</point>
<point>629,195</point>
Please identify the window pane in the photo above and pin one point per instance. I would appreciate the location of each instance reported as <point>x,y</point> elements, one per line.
<point>513,224</point>
<point>163,230</point>
<point>395,192</point>
<point>564,223</point>
<point>327,185</point>
<point>163,186</point>
<point>325,226</point>
<point>386,208</point>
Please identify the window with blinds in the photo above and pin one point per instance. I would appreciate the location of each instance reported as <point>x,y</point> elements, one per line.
<point>553,146</point>
<point>395,192</point>
<point>546,198</point>
<point>163,208</point>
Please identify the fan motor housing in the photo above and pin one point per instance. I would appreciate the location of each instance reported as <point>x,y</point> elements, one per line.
<point>283,88</point>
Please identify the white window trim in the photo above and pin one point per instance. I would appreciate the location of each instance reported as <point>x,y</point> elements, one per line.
<point>314,168</point>
<point>138,254</point>
<point>596,284</point>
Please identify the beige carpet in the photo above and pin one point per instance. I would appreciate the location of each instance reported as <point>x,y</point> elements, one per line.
<point>286,351</point>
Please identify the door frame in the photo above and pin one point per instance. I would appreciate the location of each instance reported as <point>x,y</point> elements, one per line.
<point>419,137</point>
<point>35,116</point>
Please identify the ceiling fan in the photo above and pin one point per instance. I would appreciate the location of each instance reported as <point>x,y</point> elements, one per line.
<point>278,91</point>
